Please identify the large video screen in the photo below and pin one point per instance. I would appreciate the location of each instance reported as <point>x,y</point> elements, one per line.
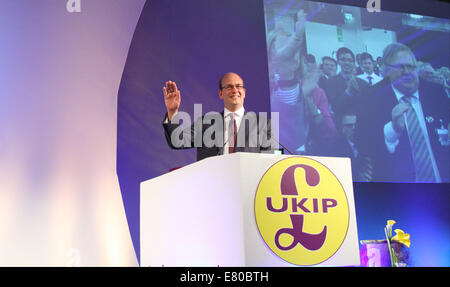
<point>353,82</point>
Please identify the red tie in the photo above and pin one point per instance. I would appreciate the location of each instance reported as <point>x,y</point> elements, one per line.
<point>232,127</point>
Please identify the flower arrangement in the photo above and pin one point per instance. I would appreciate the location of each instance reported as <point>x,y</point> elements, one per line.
<point>391,251</point>
<point>400,237</point>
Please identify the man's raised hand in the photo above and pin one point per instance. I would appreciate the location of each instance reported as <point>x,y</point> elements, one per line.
<point>172,98</point>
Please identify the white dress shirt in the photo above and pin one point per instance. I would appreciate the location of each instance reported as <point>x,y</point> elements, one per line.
<point>375,78</point>
<point>238,115</point>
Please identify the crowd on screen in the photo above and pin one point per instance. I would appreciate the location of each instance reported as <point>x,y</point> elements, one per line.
<point>327,96</point>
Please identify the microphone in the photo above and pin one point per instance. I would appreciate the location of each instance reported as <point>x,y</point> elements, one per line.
<point>223,147</point>
<point>285,148</point>
<point>291,153</point>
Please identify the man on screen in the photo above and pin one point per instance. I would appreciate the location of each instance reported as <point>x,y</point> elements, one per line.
<point>305,119</point>
<point>368,65</point>
<point>284,51</point>
<point>345,89</point>
<point>233,130</point>
<point>400,122</point>
<point>345,147</point>
<point>328,68</point>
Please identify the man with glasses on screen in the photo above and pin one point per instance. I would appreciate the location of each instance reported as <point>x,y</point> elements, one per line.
<point>233,130</point>
<point>345,89</point>
<point>401,122</point>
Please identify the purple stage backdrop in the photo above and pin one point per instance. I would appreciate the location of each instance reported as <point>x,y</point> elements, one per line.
<point>192,43</point>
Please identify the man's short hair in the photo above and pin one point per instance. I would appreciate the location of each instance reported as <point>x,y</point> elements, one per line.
<point>220,82</point>
<point>365,56</point>
<point>392,49</point>
<point>329,59</point>
<point>223,76</point>
<point>344,50</point>
<point>310,59</point>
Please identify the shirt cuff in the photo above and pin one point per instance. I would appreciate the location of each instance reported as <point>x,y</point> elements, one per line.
<point>166,119</point>
<point>391,137</point>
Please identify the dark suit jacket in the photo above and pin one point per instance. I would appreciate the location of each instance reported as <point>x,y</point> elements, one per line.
<point>377,112</point>
<point>322,83</point>
<point>254,135</point>
<point>339,101</point>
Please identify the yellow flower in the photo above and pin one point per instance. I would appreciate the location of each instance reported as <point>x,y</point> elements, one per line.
<point>388,228</point>
<point>402,237</point>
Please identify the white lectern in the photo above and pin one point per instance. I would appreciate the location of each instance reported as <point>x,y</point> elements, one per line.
<point>204,214</point>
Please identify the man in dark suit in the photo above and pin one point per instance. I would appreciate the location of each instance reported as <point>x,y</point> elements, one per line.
<point>328,68</point>
<point>233,130</point>
<point>398,124</point>
<point>345,147</point>
<point>345,88</point>
<point>367,65</point>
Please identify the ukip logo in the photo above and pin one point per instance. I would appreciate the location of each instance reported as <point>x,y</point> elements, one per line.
<point>301,211</point>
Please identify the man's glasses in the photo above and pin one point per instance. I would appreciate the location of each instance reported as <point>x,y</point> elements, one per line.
<point>403,67</point>
<point>231,87</point>
<point>346,60</point>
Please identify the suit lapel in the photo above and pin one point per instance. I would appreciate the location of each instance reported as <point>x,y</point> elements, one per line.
<point>220,152</point>
<point>241,130</point>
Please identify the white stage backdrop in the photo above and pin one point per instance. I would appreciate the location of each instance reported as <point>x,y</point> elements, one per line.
<point>60,202</point>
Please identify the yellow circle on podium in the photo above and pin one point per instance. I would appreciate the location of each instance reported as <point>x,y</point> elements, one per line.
<point>301,211</point>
